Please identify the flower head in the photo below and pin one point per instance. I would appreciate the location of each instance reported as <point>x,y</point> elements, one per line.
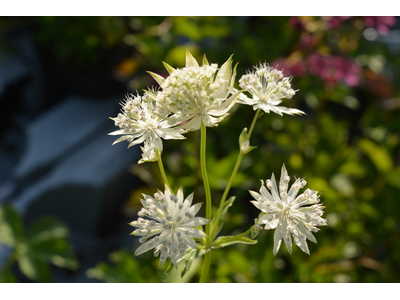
<point>288,214</point>
<point>169,228</point>
<point>139,122</point>
<point>195,94</point>
<point>268,86</point>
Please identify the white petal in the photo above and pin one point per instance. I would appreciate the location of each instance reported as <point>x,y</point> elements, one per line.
<point>303,246</point>
<point>194,222</point>
<point>307,233</point>
<point>277,239</point>
<point>194,232</point>
<point>265,193</point>
<point>138,141</point>
<point>283,186</point>
<point>170,133</point>
<point>189,241</point>
<point>256,196</point>
<point>150,244</point>
<point>268,224</point>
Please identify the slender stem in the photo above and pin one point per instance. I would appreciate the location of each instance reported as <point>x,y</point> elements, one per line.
<point>205,179</point>
<point>162,171</point>
<point>207,257</point>
<point>235,169</point>
<point>253,123</point>
<point>204,276</point>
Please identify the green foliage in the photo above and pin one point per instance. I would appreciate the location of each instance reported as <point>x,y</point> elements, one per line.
<point>348,144</point>
<point>44,243</point>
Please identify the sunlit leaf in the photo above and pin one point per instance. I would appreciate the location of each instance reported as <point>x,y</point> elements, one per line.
<point>11,231</point>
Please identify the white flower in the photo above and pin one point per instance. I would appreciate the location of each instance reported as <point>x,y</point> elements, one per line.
<point>171,221</point>
<point>268,87</point>
<point>287,213</point>
<point>139,122</point>
<point>196,94</point>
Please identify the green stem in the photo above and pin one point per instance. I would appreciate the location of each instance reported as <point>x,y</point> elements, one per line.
<point>235,169</point>
<point>205,179</point>
<point>162,171</point>
<point>253,123</point>
<point>206,267</point>
<point>207,258</point>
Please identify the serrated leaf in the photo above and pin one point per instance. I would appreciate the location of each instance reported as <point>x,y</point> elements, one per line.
<point>224,241</point>
<point>160,80</point>
<point>189,256</point>
<point>216,228</point>
<point>11,230</point>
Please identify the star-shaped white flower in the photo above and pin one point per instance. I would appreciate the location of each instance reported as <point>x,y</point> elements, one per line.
<point>288,214</point>
<point>196,94</point>
<point>139,122</point>
<point>268,87</point>
<point>169,228</point>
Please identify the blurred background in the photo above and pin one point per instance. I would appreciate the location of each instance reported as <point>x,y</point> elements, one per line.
<point>66,195</point>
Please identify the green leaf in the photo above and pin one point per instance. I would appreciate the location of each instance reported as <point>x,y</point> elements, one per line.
<point>7,277</point>
<point>378,155</point>
<point>46,228</point>
<point>125,269</point>
<point>157,78</point>
<point>189,256</point>
<point>215,228</point>
<point>56,251</point>
<point>11,230</point>
<point>32,266</point>
<point>224,241</point>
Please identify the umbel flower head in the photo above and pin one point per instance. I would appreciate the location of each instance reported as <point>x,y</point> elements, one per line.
<point>268,87</point>
<point>195,94</point>
<point>139,122</point>
<point>288,214</point>
<point>169,228</point>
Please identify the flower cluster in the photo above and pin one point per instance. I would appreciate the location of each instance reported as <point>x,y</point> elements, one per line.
<point>196,94</point>
<point>171,221</point>
<point>290,215</point>
<point>330,68</point>
<point>268,86</point>
<point>139,122</point>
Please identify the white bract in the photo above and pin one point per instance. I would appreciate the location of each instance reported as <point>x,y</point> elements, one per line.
<point>139,122</point>
<point>268,87</point>
<point>195,94</point>
<point>169,228</point>
<point>288,214</point>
